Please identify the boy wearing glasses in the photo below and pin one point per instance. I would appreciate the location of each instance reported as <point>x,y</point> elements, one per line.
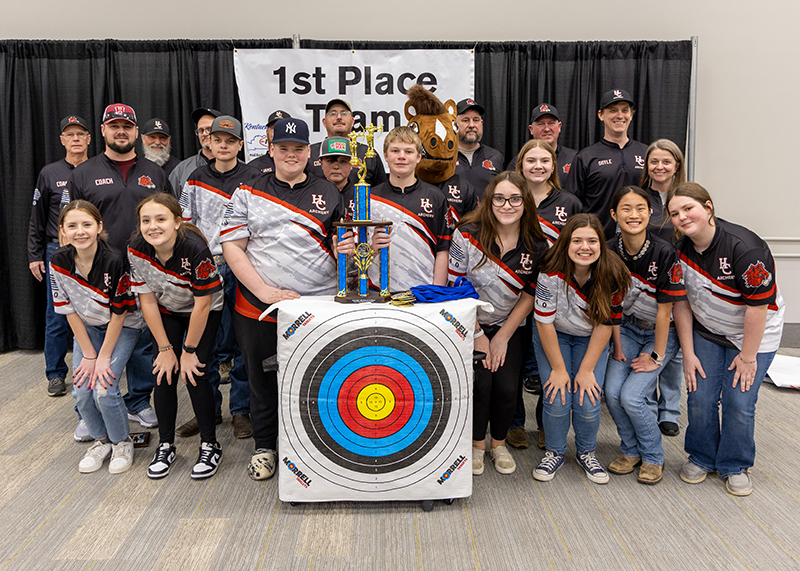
<point>43,241</point>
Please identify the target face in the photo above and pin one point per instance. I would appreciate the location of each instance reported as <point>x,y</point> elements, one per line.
<point>378,399</point>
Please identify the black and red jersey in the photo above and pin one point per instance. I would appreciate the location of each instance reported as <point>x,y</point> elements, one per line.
<point>736,270</point>
<point>265,163</point>
<point>486,164</point>
<point>106,290</point>
<point>555,210</point>
<point>567,305</point>
<point>189,273</point>
<point>461,198</point>
<point>100,181</point>
<point>49,197</point>
<point>655,273</point>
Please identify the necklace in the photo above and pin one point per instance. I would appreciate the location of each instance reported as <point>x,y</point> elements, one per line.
<point>624,254</point>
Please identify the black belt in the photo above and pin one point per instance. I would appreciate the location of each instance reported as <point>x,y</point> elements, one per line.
<point>649,325</point>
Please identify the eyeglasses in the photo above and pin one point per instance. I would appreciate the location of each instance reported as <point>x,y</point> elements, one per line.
<point>203,131</point>
<point>500,201</point>
<point>343,114</point>
<point>79,134</point>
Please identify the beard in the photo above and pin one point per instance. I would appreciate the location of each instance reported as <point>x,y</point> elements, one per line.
<point>159,154</point>
<point>470,138</point>
<point>121,148</point>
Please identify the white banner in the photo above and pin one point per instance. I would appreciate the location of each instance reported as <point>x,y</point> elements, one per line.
<point>373,82</point>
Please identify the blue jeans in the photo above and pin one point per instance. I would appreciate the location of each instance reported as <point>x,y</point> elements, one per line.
<point>140,375</point>
<point>556,416</point>
<point>56,329</point>
<point>727,446</point>
<point>239,398</point>
<point>103,410</point>
<point>629,395</point>
<point>670,382</point>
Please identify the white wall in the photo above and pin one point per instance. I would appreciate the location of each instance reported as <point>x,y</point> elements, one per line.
<point>747,116</point>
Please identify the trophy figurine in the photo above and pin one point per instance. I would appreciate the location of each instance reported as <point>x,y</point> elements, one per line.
<point>364,255</point>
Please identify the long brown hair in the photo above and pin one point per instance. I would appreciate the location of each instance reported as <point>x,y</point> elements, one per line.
<point>88,208</point>
<point>530,233</point>
<point>554,181</point>
<point>609,273</point>
<point>170,203</point>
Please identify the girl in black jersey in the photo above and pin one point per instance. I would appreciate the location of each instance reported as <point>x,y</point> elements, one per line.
<point>90,286</point>
<point>180,293</point>
<point>646,341</point>
<point>498,247</point>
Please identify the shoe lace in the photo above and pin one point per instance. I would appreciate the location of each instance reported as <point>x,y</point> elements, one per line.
<point>161,454</point>
<point>591,462</point>
<point>206,451</point>
<point>550,460</point>
<point>55,381</point>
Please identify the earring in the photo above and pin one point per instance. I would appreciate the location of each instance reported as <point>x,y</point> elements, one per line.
<point>176,227</point>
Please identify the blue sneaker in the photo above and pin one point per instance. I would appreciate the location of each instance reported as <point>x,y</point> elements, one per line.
<point>546,469</point>
<point>591,465</point>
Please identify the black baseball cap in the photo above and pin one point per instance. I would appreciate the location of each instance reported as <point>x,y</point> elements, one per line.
<point>227,124</point>
<point>156,125</point>
<point>290,130</point>
<point>333,102</point>
<point>467,104</point>
<point>615,96</point>
<point>275,115</point>
<point>73,120</point>
<point>198,113</point>
<point>544,109</point>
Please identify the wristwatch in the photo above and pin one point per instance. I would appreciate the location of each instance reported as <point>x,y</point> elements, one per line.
<point>658,359</point>
<point>189,349</point>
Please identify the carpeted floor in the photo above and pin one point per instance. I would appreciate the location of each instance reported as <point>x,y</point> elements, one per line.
<point>53,518</point>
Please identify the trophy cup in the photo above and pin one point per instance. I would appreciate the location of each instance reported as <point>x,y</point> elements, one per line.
<point>364,254</point>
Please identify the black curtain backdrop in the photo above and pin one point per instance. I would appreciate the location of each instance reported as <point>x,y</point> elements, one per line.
<point>43,81</point>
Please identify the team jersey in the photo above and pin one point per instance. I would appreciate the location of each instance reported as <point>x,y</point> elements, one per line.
<point>189,273</point>
<point>460,196</point>
<point>106,290</point>
<point>499,283</point>
<point>207,194</point>
<point>289,236</point>
<point>48,199</point>
<point>419,231</point>
<point>180,174</point>
<point>599,170</point>
<point>567,307</point>
<point>99,181</point>
<point>564,158</point>
<point>554,211</point>
<point>655,275</point>
<point>660,221</point>
<point>735,271</point>
<point>376,173</point>
<point>168,167</point>
<point>265,163</point>
<point>486,164</point>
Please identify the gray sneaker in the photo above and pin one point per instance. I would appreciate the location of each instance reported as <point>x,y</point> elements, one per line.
<point>93,459</point>
<point>56,387</point>
<point>121,457</point>
<point>82,432</point>
<point>146,417</point>
<point>691,473</point>
<point>739,484</point>
<point>262,464</point>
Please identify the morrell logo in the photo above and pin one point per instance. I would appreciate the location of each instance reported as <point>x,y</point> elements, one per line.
<point>302,478</point>
<point>456,465</point>
<point>206,270</point>
<point>145,181</point>
<point>299,322</point>
<point>461,331</point>
<point>757,275</point>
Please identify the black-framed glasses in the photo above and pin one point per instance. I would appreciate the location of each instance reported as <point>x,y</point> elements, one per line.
<point>500,201</point>
<point>203,131</point>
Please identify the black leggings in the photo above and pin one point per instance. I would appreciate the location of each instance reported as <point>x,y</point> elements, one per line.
<point>495,394</point>
<point>165,396</point>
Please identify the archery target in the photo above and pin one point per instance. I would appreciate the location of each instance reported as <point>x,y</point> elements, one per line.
<point>375,400</point>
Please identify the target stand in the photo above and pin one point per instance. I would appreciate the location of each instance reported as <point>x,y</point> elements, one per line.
<point>376,401</point>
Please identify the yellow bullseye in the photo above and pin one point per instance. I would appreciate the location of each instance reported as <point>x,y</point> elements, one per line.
<point>375,402</point>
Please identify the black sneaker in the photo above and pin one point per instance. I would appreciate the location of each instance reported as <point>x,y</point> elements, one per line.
<point>533,384</point>
<point>56,387</point>
<point>162,460</point>
<point>208,461</point>
<point>669,428</point>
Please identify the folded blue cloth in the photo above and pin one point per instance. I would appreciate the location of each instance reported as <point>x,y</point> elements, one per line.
<point>433,293</point>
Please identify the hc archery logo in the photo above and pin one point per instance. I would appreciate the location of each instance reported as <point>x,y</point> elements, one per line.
<point>544,109</point>
<point>145,181</point>
<point>206,270</point>
<point>525,262</point>
<point>561,213</point>
<point>487,164</point>
<point>186,265</point>
<point>123,285</point>
<point>106,280</point>
<point>757,275</point>
<point>676,274</point>
<point>724,266</point>
<point>158,124</point>
<point>291,128</point>
<point>639,161</point>
<point>454,191</point>
<point>617,94</point>
<point>652,270</point>
<point>426,205</point>
<point>318,201</point>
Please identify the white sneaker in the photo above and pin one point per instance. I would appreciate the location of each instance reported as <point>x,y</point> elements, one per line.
<point>94,457</point>
<point>146,417</point>
<point>121,457</point>
<point>503,462</point>
<point>82,432</point>
<point>477,461</point>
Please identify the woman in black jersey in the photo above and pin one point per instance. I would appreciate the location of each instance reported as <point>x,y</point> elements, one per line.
<point>180,293</point>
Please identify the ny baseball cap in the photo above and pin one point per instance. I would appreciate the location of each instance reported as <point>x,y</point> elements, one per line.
<point>227,124</point>
<point>614,96</point>
<point>275,115</point>
<point>335,147</point>
<point>467,104</point>
<point>73,120</point>
<point>156,125</point>
<point>544,109</point>
<point>290,130</point>
<point>198,113</point>
<point>119,111</point>
<point>333,102</point>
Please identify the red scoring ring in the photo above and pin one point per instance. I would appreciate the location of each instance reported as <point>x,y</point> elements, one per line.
<point>348,401</point>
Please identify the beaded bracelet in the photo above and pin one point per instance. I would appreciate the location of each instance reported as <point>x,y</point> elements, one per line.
<point>165,348</point>
<point>746,362</point>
